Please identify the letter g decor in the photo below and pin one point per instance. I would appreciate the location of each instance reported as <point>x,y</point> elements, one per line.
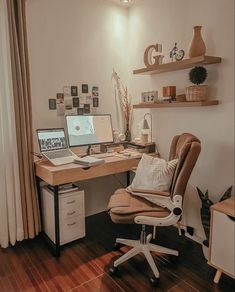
<point>148,55</point>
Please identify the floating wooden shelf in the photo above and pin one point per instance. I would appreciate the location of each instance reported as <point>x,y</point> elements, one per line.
<point>177,104</point>
<point>179,65</point>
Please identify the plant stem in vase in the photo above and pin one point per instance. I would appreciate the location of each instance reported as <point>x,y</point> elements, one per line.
<point>127,134</point>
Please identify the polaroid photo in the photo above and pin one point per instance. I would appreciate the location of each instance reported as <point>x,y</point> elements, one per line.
<point>85,88</point>
<point>74,90</point>
<point>80,111</point>
<point>52,103</point>
<point>71,112</point>
<point>87,108</point>
<point>94,110</point>
<point>82,98</point>
<point>95,102</point>
<point>76,102</point>
<point>68,104</point>
<point>60,109</point>
<point>67,90</point>
<point>95,91</point>
<point>88,99</point>
<point>59,98</point>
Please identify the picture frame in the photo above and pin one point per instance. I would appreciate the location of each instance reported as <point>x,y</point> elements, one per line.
<point>95,102</point>
<point>74,90</point>
<point>80,111</point>
<point>95,91</point>
<point>52,103</point>
<point>59,98</point>
<point>67,90</point>
<point>88,99</point>
<point>85,88</point>
<point>87,108</point>
<point>68,104</point>
<point>76,102</point>
<point>149,97</point>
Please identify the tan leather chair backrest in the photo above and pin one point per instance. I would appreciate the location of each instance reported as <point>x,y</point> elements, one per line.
<point>186,147</point>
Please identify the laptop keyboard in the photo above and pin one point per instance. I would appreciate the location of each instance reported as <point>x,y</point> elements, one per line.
<point>59,154</point>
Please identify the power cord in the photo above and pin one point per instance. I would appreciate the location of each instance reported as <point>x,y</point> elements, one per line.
<point>37,154</point>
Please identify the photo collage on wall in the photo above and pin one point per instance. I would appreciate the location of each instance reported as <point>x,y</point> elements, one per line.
<point>75,100</point>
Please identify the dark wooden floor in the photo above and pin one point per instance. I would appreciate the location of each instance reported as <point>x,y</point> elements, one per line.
<point>83,265</point>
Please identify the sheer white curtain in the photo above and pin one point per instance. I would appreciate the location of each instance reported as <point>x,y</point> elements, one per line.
<point>11,221</point>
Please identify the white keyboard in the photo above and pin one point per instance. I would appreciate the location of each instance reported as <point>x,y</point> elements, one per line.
<point>103,155</point>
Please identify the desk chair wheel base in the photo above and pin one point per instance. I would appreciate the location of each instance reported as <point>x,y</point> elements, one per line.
<point>113,271</point>
<point>117,246</point>
<point>154,281</point>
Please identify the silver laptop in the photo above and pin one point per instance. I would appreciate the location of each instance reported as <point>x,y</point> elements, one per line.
<point>53,145</point>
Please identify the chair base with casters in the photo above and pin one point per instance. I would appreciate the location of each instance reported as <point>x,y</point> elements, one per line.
<point>143,246</point>
<point>155,208</point>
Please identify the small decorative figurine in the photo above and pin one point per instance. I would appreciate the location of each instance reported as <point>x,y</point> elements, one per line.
<point>176,54</point>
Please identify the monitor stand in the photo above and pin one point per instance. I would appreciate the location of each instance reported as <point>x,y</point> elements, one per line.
<point>88,150</point>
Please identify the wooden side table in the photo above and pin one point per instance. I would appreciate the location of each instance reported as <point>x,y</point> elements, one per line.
<point>222,238</point>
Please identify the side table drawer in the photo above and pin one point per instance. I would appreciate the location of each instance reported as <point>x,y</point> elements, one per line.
<point>72,228</point>
<point>223,239</point>
<point>72,205</point>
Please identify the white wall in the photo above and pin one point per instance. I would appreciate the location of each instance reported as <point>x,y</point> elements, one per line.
<point>73,42</point>
<point>77,41</point>
<point>167,22</point>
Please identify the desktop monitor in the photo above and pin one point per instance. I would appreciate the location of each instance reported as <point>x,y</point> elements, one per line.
<point>89,130</point>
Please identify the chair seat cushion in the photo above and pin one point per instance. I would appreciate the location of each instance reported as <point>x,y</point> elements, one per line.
<point>124,207</point>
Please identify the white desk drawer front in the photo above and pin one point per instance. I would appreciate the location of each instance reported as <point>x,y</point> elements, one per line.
<point>223,238</point>
<point>71,214</point>
<point>72,228</point>
<point>71,204</point>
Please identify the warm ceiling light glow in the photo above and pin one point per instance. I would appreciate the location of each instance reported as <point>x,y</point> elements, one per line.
<point>125,1</point>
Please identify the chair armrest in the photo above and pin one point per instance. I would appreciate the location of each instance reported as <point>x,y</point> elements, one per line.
<point>161,200</point>
<point>174,205</point>
<point>159,193</point>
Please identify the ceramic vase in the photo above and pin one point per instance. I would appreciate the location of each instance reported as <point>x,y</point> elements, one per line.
<point>198,47</point>
<point>127,133</point>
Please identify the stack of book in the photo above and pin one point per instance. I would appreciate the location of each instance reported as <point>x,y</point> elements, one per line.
<point>89,161</point>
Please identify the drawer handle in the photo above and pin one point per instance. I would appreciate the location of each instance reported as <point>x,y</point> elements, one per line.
<point>71,224</point>
<point>70,202</point>
<point>71,213</point>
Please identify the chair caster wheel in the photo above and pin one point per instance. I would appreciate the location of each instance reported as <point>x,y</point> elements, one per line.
<point>117,246</point>
<point>154,281</point>
<point>113,271</point>
<point>173,259</point>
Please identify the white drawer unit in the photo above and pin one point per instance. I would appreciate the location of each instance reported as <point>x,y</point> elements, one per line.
<point>71,214</point>
<point>222,238</point>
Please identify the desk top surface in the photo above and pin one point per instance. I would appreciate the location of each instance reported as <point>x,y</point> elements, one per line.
<point>72,172</point>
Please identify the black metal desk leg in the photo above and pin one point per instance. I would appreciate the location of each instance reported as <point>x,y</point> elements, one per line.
<point>38,180</point>
<point>57,221</point>
<point>127,178</point>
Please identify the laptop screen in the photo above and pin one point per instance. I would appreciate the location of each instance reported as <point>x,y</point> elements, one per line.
<point>51,139</point>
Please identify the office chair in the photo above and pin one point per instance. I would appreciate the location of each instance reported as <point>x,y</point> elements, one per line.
<point>155,208</point>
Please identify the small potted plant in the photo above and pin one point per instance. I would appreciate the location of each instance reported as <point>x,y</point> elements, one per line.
<point>206,215</point>
<point>197,92</point>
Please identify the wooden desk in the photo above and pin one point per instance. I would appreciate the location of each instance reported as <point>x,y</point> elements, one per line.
<point>69,173</point>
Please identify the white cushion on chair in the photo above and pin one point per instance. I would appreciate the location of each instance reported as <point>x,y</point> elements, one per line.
<point>153,173</point>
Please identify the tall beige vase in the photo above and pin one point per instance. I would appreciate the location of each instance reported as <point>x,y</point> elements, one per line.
<point>198,47</point>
